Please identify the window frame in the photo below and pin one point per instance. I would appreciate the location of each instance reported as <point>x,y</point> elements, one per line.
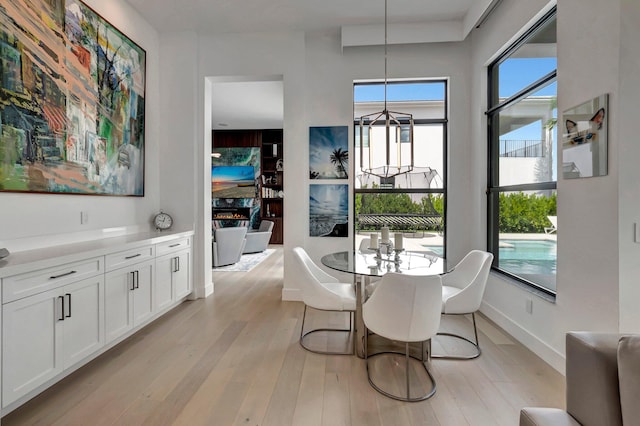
<point>494,107</point>
<point>444,122</point>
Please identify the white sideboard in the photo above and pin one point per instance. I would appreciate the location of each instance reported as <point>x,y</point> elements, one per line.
<point>64,305</point>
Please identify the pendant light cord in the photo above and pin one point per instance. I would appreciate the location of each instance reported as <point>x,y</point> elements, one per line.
<point>385,55</point>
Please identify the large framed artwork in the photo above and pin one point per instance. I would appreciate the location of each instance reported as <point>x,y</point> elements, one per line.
<point>329,210</point>
<point>329,152</point>
<point>72,101</point>
<point>584,146</point>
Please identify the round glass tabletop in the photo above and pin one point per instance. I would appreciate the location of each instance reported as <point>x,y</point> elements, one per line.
<point>412,263</point>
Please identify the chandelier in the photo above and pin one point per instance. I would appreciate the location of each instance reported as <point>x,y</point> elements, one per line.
<point>398,130</point>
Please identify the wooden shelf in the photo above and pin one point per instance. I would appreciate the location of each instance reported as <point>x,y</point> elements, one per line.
<point>271,152</point>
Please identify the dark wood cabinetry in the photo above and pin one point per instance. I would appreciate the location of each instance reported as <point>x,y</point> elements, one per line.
<point>271,189</point>
<point>272,186</point>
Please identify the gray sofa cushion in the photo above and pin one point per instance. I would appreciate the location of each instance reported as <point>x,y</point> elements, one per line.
<point>537,416</point>
<point>593,398</point>
<point>629,377</point>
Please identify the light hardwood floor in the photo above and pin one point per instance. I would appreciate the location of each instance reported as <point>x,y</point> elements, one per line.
<point>234,358</point>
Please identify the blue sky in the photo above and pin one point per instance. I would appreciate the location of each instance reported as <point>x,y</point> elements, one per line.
<point>516,73</point>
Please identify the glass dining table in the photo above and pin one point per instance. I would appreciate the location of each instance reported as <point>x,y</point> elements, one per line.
<point>368,265</point>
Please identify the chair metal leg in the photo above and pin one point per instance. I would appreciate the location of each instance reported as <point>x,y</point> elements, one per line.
<point>475,344</point>
<point>303,335</point>
<point>407,355</point>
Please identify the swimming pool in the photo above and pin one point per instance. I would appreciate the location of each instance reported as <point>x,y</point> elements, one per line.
<point>536,257</point>
<point>523,257</point>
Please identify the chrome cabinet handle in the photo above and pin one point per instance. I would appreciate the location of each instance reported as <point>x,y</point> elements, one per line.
<point>131,257</point>
<point>174,245</point>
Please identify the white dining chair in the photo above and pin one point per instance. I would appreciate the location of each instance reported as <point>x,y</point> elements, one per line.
<point>324,292</point>
<point>404,308</point>
<point>462,291</point>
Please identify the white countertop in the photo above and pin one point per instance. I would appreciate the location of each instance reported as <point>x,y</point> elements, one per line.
<point>29,260</point>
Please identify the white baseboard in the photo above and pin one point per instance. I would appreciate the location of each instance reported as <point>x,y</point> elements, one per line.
<point>208,290</point>
<point>291,295</point>
<point>552,357</point>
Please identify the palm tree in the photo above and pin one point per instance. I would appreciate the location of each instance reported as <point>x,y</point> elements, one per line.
<point>340,158</point>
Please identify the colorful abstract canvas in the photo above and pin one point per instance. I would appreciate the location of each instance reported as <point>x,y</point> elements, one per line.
<point>72,101</point>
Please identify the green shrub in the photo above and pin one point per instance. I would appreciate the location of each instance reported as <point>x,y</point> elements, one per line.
<point>525,213</point>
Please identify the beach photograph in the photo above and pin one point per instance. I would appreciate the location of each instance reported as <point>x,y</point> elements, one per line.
<point>232,182</point>
<point>328,210</point>
<point>329,152</point>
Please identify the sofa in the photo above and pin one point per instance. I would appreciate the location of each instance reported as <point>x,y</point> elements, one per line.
<point>603,383</point>
<point>228,244</point>
<point>258,240</point>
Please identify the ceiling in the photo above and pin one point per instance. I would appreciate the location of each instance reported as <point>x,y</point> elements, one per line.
<point>225,16</point>
<point>245,105</point>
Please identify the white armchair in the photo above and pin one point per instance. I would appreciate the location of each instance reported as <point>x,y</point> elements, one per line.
<point>323,292</point>
<point>462,291</point>
<point>258,240</point>
<point>228,244</point>
<point>404,308</point>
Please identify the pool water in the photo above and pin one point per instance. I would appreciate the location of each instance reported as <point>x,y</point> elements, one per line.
<point>523,256</point>
<point>528,256</point>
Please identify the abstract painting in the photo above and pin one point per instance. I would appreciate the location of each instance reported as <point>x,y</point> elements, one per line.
<point>328,210</point>
<point>72,101</point>
<point>329,152</point>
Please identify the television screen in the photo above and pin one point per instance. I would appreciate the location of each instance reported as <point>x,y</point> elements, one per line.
<point>232,182</point>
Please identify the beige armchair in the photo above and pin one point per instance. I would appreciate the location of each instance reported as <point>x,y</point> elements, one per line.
<point>603,381</point>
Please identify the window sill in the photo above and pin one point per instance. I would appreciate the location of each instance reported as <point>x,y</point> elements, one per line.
<point>551,298</point>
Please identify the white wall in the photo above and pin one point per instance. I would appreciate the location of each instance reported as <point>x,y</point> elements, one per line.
<point>42,215</point>
<point>588,274</point>
<point>627,158</point>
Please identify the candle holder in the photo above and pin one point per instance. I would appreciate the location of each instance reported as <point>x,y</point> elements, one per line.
<point>396,258</point>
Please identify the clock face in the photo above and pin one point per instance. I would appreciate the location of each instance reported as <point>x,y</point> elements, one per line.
<point>162,221</point>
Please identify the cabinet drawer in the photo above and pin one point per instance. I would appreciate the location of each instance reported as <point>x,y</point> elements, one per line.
<point>173,245</point>
<point>29,283</point>
<point>128,257</point>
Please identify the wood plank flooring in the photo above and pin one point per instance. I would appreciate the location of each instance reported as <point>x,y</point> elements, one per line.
<point>234,359</point>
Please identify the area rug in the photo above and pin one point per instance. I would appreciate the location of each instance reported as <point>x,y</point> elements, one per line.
<point>247,262</point>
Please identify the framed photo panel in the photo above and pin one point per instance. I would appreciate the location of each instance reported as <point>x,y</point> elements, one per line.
<point>329,152</point>
<point>329,210</point>
<point>584,146</point>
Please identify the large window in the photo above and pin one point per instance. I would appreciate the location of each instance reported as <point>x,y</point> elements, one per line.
<point>412,203</point>
<point>522,118</point>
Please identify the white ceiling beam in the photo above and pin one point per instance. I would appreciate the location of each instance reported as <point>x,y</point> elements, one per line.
<point>425,32</point>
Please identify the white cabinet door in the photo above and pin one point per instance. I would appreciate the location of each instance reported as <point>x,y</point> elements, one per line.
<point>182,274</point>
<point>118,310</point>
<point>31,334</point>
<point>164,289</point>
<point>83,331</point>
<point>143,292</point>
<point>128,298</point>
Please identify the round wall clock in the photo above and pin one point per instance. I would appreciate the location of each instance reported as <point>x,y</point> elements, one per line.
<point>162,221</point>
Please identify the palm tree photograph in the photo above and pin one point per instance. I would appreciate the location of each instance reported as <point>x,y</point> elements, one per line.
<point>329,152</point>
